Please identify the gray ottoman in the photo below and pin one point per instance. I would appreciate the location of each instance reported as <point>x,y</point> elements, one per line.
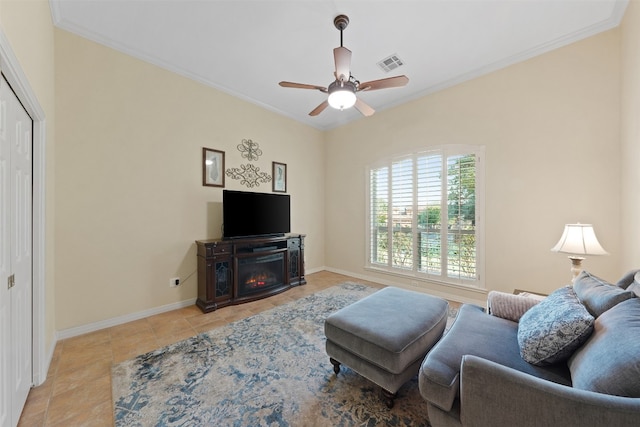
<point>384,337</point>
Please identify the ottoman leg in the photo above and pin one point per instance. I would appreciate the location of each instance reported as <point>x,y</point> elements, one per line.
<point>336,365</point>
<point>388,398</point>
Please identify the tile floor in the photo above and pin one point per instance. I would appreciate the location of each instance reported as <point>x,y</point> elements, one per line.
<point>77,391</point>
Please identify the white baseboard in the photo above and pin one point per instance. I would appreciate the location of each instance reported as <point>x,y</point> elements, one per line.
<point>96,326</point>
<point>314,270</point>
<point>40,376</point>
<point>481,300</point>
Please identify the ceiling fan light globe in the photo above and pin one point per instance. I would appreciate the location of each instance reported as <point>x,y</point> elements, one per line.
<point>342,98</point>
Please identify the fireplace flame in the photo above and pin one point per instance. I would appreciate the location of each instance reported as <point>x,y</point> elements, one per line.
<point>257,280</point>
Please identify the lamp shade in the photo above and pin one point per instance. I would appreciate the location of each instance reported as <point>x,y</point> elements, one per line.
<point>579,239</point>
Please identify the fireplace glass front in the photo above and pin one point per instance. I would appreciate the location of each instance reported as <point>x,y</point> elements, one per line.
<point>260,273</point>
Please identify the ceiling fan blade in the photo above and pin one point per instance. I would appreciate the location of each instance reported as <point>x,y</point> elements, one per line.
<point>364,108</point>
<point>319,109</point>
<point>397,81</point>
<point>342,57</point>
<point>302,86</point>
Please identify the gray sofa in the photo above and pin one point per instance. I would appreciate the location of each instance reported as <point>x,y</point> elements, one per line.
<point>572,359</point>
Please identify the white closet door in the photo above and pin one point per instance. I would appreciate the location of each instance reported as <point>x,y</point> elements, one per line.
<point>16,269</point>
<point>6,375</point>
<point>21,301</point>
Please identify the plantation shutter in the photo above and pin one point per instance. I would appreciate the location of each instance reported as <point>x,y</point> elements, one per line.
<point>379,211</point>
<point>430,201</point>
<point>461,239</point>
<point>422,215</point>
<point>402,213</point>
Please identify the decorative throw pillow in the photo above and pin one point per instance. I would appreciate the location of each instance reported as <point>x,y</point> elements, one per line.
<point>609,362</point>
<point>598,295</point>
<point>632,285</point>
<point>628,278</point>
<point>635,288</point>
<point>551,330</point>
<point>509,306</point>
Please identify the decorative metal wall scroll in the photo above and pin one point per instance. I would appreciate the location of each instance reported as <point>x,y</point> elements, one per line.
<point>249,175</point>
<point>214,172</point>
<point>249,150</point>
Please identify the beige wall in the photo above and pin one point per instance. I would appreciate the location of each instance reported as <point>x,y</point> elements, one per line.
<point>550,126</point>
<point>29,30</point>
<point>130,201</point>
<point>630,137</point>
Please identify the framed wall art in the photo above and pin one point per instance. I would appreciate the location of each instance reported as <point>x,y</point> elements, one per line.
<point>279,177</point>
<point>212,167</point>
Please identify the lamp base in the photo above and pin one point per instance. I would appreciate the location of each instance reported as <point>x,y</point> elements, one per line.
<point>576,266</point>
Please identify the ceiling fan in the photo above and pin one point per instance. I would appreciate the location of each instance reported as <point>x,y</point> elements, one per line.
<point>342,91</point>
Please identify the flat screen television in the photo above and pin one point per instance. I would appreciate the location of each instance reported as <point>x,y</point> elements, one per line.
<point>247,214</point>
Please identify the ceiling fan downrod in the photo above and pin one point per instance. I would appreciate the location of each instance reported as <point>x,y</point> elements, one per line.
<point>341,22</point>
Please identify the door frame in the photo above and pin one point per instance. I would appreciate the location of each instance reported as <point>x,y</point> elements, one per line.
<point>10,67</point>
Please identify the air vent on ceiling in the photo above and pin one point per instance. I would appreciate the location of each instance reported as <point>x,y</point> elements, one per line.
<point>390,63</point>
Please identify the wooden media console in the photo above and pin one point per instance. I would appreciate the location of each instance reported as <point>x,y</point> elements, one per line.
<point>241,270</point>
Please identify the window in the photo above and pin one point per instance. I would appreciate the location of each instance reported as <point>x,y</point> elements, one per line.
<point>424,215</point>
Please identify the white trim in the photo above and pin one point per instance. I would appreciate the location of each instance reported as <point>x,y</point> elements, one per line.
<point>96,326</point>
<point>314,270</point>
<point>19,83</point>
<point>607,24</point>
<point>109,42</point>
<point>103,324</point>
<point>611,22</point>
<point>480,300</point>
<point>418,277</point>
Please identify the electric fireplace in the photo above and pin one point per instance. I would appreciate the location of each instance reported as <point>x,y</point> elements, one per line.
<point>235,271</point>
<point>260,273</point>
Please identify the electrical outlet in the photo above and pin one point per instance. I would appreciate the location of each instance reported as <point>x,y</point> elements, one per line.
<point>173,282</point>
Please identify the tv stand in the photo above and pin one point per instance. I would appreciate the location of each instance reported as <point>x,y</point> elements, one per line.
<point>241,270</point>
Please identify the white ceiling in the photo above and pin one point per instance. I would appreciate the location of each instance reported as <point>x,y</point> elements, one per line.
<point>245,48</point>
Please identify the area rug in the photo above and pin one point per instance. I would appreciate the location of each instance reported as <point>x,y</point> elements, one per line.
<point>270,369</point>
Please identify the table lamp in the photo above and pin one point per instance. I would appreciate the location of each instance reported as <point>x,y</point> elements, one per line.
<point>577,240</point>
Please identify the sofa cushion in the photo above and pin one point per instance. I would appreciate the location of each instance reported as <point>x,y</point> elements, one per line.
<point>609,362</point>
<point>551,330</point>
<point>598,295</point>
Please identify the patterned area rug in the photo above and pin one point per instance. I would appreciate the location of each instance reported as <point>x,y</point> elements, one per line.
<point>270,369</point>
